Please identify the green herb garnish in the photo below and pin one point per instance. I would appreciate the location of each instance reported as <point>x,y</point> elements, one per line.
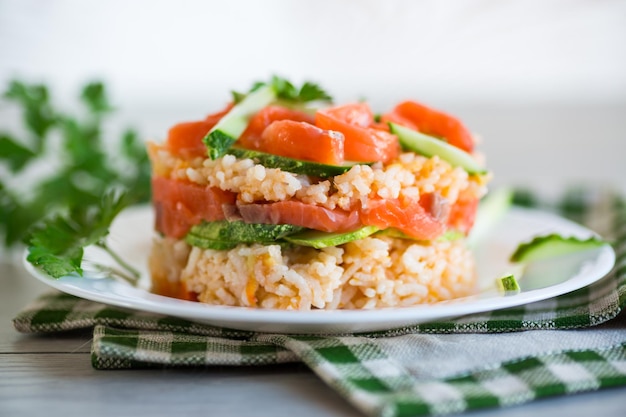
<point>287,92</point>
<point>74,143</point>
<point>57,244</point>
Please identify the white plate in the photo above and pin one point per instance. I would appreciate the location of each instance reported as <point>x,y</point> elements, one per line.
<point>131,237</point>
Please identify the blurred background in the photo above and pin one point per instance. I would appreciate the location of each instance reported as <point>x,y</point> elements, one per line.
<point>542,82</point>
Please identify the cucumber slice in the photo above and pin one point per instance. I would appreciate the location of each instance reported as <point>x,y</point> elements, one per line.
<point>429,146</point>
<point>221,235</point>
<point>318,240</point>
<point>449,235</point>
<point>231,126</point>
<point>552,245</point>
<point>296,166</point>
<point>205,243</point>
<point>508,285</point>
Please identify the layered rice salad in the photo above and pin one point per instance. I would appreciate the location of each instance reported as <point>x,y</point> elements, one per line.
<point>286,200</point>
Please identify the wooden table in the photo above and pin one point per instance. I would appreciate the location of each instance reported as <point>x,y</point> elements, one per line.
<point>52,376</point>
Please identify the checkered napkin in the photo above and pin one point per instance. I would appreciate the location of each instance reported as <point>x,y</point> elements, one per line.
<point>572,343</point>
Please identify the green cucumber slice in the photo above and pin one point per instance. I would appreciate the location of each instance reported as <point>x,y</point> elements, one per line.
<point>429,146</point>
<point>296,166</point>
<point>552,245</point>
<point>223,234</point>
<point>318,240</point>
<point>449,235</point>
<point>508,285</point>
<point>231,126</point>
<point>205,243</point>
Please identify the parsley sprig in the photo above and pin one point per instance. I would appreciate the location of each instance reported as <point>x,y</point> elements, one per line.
<point>288,93</point>
<point>86,170</point>
<point>57,244</point>
<point>72,208</point>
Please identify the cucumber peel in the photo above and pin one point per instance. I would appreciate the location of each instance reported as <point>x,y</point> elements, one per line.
<point>552,245</point>
<point>232,125</point>
<point>296,166</point>
<point>223,234</point>
<point>318,239</point>
<point>429,146</point>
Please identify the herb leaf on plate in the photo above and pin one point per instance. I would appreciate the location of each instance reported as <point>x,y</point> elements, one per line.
<point>57,244</point>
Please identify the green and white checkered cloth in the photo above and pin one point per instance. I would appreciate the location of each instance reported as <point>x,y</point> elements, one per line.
<point>572,343</point>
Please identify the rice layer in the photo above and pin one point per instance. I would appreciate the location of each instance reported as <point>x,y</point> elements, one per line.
<point>410,175</point>
<point>368,273</point>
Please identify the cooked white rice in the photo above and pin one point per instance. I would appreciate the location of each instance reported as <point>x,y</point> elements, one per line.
<point>368,273</point>
<point>410,175</point>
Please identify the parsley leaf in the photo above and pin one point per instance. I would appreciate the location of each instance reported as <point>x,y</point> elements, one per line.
<point>16,155</point>
<point>95,97</point>
<point>57,244</point>
<point>287,92</point>
<point>38,115</point>
<point>16,216</point>
<point>313,92</point>
<point>284,89</point>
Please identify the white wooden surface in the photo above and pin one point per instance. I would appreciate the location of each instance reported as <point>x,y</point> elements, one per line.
<point>52,376</point>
